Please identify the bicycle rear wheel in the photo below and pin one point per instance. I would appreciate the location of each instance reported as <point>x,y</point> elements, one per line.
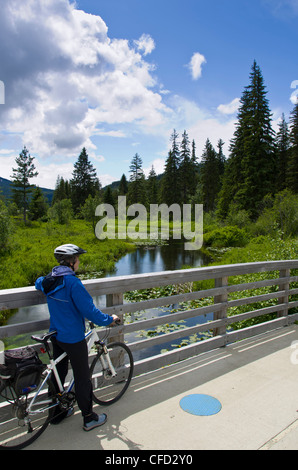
<point>18,428</point>
<point>108,389</point>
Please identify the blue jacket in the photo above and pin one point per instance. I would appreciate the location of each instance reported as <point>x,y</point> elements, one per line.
<point>69,304</point>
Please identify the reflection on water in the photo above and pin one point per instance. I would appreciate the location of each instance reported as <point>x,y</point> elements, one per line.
<point>161,258</point>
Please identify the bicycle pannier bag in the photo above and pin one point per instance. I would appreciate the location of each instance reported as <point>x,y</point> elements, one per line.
<point>23,369</point>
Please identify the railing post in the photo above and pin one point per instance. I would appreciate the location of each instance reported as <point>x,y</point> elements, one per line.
<point>111,301</point>
<point>285,285</point>
<point>222,298</point>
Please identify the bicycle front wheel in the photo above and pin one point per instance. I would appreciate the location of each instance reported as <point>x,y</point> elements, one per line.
<point>20,424</point>
<point>106,388</point>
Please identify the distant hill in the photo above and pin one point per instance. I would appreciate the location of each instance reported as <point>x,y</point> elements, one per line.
<point>5,190</point>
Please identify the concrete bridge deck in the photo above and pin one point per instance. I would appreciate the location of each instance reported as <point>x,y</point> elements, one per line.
<point>256,381</point>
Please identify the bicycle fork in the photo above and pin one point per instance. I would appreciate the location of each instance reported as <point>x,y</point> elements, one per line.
<point>106,363</point>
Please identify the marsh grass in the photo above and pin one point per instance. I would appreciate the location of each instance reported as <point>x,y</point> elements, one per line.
<point>31,249</point>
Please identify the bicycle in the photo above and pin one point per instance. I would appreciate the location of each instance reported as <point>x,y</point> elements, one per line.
<point>23,418</point>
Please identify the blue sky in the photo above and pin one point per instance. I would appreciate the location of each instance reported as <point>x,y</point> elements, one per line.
<point>117,76</point>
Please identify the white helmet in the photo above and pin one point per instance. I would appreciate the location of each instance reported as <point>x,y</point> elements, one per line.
<point>69,250</point>
<point>63,253</point>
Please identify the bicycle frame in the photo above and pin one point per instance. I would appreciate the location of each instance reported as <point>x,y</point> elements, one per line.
<point>91,337</point>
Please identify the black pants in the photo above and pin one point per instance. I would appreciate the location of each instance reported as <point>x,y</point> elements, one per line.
<point>78,355</point>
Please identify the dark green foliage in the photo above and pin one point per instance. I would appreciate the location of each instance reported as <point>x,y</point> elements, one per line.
<point>282,152</point>
<point>292,170</point>
<point>38,206</point>
<point>252,167</point>
<point>21,176</point>
<point>136,191</point>
<point>170,184</point>
<point>84,181</point>
<point>211,175</point>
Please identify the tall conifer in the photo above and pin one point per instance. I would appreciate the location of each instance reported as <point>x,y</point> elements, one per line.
<point>250,174</point>
<point>84,181</point>
<point>21,176</point>
<point>170,184</point>
<point>292,170</point>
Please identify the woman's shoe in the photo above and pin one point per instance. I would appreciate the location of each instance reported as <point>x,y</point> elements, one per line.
<point>98,420</point>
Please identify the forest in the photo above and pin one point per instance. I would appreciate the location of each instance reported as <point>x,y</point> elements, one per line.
<point>251,192</point>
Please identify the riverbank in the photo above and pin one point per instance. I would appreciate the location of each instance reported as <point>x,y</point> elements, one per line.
<point>31,248</point>
<point>31,251</point>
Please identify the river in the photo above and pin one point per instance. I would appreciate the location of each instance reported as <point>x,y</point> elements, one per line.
<point>143,260</point>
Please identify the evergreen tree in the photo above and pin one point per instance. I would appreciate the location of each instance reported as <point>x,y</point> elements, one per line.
<point>221,157</point>
<point>137,188</point>
<point>108,197</point>
<point>282,153</point>
<point>210,178</point>
<point>170,184</point>
<point>123,186</point>
<point>62,190</point>
<point>84,181</point>
<point>152,187</point>
<point>185,169</point>
<point>193,181</point>
<point>292,170</point>
<point>38,205</point>
<point>21,176</point>
<point>250,174</point>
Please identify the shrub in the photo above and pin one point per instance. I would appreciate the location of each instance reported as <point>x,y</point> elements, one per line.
<point>229,236</point>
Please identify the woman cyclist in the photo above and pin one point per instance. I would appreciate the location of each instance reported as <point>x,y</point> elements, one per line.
<point>69,304</point>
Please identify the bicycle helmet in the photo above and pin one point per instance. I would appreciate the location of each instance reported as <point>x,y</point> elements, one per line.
<point>66,253</point>
<point>69,250</point>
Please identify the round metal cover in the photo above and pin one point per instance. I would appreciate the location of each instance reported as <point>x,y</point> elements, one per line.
<point>200,405</point>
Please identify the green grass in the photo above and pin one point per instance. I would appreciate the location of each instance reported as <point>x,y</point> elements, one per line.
<point>31,249</point>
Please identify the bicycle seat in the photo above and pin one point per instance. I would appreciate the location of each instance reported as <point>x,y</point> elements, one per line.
<point>44,338</point>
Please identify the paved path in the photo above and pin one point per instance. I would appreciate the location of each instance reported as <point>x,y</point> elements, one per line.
<point>255,380</point>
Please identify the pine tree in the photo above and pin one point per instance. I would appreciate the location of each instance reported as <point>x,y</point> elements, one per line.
<point>282,153</point>
<point>108,197</point>
<point>170,184</point>
<point>62,190</point>
<point>221,157</point>
<point>210,177</point>
<point>84,181</point>
<point>250,174</point>
<point>21,176</point>
<point>292,170</point>
<point>185,169</point>
<point>194,176</point>
<point>123,186</point>
<point>38,205</point>
<point>152,187</point>
<point>137,188</point>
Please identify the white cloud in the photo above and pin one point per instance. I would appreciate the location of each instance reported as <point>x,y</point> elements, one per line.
<point>229,108</point>
<point>201,124</point>
<point>145,44</point>
<point>67,78</point>
<point>294,95</point>
<point>158,164</point>
<point>196,64</point>
<point>68,82</point>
